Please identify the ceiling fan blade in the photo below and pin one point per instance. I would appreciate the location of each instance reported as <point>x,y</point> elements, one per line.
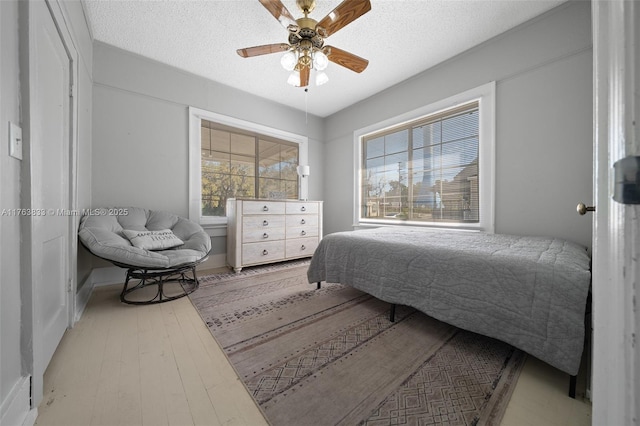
<point>304,76</point>
<point>248,52</point>
<point>346,59</point>
<point>279,11</point>
<point>346,12</point>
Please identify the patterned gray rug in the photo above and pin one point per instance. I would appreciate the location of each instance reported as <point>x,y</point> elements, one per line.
<point>331,356</point>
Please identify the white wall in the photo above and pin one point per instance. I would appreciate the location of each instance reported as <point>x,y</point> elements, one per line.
<point>10,312</point>
<point>140,130</point>
<point>543,74</point>
<point>14,332</point>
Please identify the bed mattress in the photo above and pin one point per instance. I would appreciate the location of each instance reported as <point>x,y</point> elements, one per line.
<point>529,292</point>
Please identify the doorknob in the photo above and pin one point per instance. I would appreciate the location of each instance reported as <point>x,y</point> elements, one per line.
<point>582,209</point>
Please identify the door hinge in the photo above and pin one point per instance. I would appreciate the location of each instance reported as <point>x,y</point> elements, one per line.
<point>69,284</point>
<point>72,90</point>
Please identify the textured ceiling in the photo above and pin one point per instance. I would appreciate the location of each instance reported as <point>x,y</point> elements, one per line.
<point>400,38</point>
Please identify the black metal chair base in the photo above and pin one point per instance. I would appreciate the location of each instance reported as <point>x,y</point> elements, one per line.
<point>185,277</point>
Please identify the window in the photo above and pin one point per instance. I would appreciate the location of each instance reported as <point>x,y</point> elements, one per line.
<point>434,170</point>
<point>231,158</point>
<point>238,164</point>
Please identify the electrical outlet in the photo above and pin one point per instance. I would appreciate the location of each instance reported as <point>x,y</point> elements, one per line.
<point>15,141</point>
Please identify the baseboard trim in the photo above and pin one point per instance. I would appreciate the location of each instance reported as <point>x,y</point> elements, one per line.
<point>31,417</point>
<point>83,296</point>
<point>16,407</point>
<point>98,277</point>
<point>213,261</point>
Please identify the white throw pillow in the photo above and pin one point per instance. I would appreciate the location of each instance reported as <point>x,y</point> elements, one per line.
<point>153,240</point>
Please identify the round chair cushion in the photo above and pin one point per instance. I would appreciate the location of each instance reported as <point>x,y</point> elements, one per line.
<point>102,234</point>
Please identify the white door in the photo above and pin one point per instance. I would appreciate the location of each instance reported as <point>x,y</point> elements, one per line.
<point>50,125</point>
<point>616,227</point>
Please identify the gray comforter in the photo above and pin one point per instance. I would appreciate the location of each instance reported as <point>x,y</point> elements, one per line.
<point>526,291</point>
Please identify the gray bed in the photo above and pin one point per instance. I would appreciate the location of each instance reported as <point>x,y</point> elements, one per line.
<point>526,291</point>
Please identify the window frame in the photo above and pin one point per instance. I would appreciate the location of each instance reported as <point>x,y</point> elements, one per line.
<point>196,116</point>
<point>485,96</point>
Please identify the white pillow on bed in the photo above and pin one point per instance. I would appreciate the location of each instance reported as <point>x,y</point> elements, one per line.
<point>153,240</point>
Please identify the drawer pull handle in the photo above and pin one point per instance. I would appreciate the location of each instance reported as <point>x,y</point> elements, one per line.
<point>303,221</point>
<point>303,233</point>
<point>265,209</point>
<point>303,247</point>
<point>265,252</point>
<point>265,235</point>
<point>265,223</point>
<point>303,208</point>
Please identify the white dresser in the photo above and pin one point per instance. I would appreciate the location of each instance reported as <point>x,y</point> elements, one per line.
<point>265,231</point>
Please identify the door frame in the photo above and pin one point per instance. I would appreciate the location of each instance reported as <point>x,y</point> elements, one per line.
<point>31,339</point>
<point>616,228</point>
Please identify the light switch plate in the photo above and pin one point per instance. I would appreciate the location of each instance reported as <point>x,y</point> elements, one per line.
<point>15,141</point>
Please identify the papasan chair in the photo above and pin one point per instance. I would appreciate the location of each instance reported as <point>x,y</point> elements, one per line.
<point>160,250</point>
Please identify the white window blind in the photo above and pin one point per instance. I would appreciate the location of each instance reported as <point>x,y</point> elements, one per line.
<point>424,171</point>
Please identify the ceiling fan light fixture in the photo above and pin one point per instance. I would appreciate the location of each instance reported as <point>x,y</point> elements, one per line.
<point>305,50</point>
<point>294,78</point>
<point>321,78</point>
<point>304,61</point>
<point>289,60</point>
<point>320,60</point>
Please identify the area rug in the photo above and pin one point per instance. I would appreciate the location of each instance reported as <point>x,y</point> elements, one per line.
<point>331,356</point>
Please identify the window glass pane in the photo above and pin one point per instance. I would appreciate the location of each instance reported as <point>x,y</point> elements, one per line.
<point>267,149</point>
<point>215,191</point>
<point>242,186</point>
<point>427,158</point>
<point>269,159</point>
<point>220,140</point>
<point>396,162</point>
<point>242,144</point>
<point>426,135</point>
<point>461,152</point>
<point>269,167</point>
<point>396,142</point>
<point>375,184</point>
<point>425,194</point>
<point>270,186</point>
<point>217,161</point>
<point>374,147</point>
<point>291,188</point>
<point>289,154</point>
<point>375,164</point>
<point>461,126</point>
<point>243,165</point>
<point>289,171</point>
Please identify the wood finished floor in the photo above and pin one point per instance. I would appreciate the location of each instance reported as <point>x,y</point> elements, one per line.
<point>159,365</point>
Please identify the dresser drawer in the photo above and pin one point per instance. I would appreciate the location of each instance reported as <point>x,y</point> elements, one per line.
<point>302,208</point>
<point>301,247</point>
<point>263,235</point>
<point>263,207</point>
<point>262,252</point>
<point>302,231</point>
<point>258,222</point>
<point>302,220</point>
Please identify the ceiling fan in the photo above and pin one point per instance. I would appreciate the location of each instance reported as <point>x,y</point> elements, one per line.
<point>306,49</point>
